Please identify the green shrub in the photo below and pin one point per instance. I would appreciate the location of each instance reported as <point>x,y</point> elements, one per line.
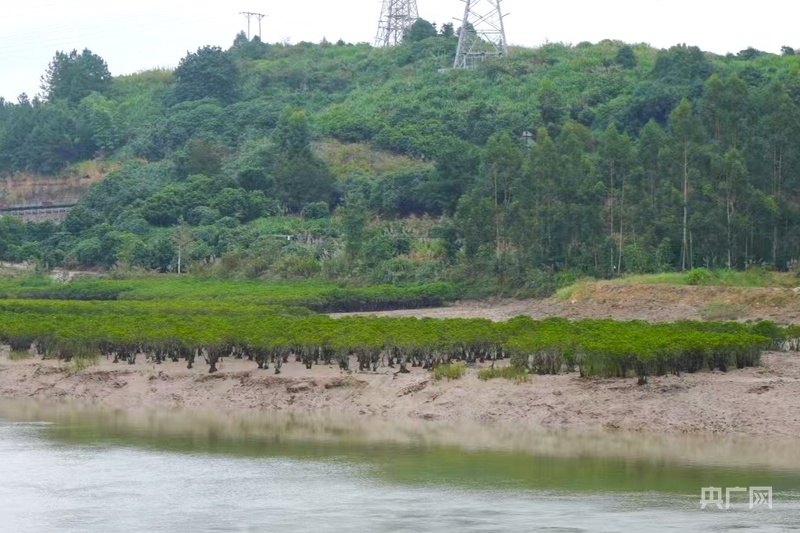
<point>20,355</point>
<point>449,371</point>
<point>513,373</point>
<point>315,210</point>
<point>698,276</point>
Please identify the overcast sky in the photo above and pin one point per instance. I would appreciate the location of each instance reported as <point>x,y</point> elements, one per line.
<point>141,34</point>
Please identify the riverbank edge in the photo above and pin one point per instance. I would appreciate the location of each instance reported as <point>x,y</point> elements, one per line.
<point>761,402</point>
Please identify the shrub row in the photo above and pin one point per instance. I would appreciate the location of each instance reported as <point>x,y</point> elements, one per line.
<point>591,347</point>
<point>320,296</point>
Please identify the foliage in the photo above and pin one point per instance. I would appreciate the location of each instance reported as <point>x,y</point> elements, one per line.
<point>208,73</point>
<point>179,329</point>
<point>698,276</point>
<point>419,31</point>
<point>317,295</point>
<point>516,374</point>
<point>592,160</point>
<point>73,76</point>
<point>450,371</point>
<point>722,311</point>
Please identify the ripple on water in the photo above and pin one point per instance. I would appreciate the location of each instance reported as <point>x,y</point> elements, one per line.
<point>91,480</point>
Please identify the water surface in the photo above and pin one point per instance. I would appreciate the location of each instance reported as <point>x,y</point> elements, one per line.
<point>99,472</point>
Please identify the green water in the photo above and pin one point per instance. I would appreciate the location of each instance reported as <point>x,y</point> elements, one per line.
<point>76,470</point>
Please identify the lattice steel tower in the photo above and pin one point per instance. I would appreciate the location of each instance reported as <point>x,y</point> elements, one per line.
<point>396,17</point>
<point>482,34</point>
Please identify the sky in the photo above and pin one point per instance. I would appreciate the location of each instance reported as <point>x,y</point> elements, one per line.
<point>137,35</point>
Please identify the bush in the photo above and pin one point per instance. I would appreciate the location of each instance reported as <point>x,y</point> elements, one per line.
<point>698,276</point>
<point>518,375</point>
<point>315,210</point>
<point>449,371</point>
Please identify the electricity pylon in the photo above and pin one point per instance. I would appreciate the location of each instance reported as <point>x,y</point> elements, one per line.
<point>482,34</point>
<point>248,15</point>
<point>396,17</point>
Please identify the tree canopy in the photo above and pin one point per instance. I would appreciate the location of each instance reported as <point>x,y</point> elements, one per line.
<point>378,163</point>
<point>73,76</point>
<point>207,73</point>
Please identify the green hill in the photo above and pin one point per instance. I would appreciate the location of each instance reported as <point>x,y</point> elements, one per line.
<point>377,165</point>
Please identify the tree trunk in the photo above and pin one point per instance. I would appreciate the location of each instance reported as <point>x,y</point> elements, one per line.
<point>685,251</point>
<point>611,223</point>
<point>621,227</point>
<point>729,216</point>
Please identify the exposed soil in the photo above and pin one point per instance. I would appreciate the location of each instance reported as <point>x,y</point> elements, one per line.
<point>653,303</point>
<point>756,401</point>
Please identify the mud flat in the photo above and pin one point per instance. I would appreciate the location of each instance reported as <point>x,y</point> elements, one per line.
<point>757,401</point>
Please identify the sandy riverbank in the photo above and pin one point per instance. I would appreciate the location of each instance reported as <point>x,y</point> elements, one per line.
<point>756,401</point>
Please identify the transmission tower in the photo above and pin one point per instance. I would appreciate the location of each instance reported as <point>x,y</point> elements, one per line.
<point>248,15</point>
<point>482,34</point>
<point>396,17</point>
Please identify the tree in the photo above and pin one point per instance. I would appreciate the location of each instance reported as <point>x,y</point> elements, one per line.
<point>58,137</point>
<point>685,131</point>
<point>207,73</point>
<point>616,153</point>
<point>779,126</point>
<point>447,30</point>
<point>73,76</point>
<point>183,239</point>
<point>419,31</point>
<point>734,172</point>
<point>300,178</point>
<point>551,105</point>
<point>355,215</point>
<point>503,161</point>
<point>292,136</point>
<point>625,57</point>
<point>200,156</point>
<point>99,113</point>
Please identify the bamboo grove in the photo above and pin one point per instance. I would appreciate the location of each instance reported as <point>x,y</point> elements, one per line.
<point>272,336</point>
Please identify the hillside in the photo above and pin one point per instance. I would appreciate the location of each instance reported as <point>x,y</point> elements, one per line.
<point>371,165</point>
<point>68,186</point>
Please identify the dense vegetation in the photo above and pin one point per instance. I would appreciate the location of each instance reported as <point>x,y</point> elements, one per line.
<point>354,163</point>
<point>180,293</point>
<point>164,330</point>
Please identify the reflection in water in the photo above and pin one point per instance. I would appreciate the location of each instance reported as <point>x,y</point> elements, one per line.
<point>161,471</point>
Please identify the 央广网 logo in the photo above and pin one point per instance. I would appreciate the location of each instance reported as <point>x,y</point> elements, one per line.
<point>711,497</point>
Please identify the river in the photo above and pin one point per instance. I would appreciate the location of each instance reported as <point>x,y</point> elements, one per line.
<point>65,471</point>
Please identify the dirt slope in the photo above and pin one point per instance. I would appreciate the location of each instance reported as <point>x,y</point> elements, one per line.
<point>654,303</point>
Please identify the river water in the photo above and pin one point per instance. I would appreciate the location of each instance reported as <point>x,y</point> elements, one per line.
<point>92,472</point>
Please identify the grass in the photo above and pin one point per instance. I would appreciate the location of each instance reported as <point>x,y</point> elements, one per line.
<point>574,290</point>
<point>716,311</point>
<point>362,159</point>
<point>20,355</point>
<point>82,363</point>
<point>449,371</point>
<point>518,375</point>
<point>752,277</point>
